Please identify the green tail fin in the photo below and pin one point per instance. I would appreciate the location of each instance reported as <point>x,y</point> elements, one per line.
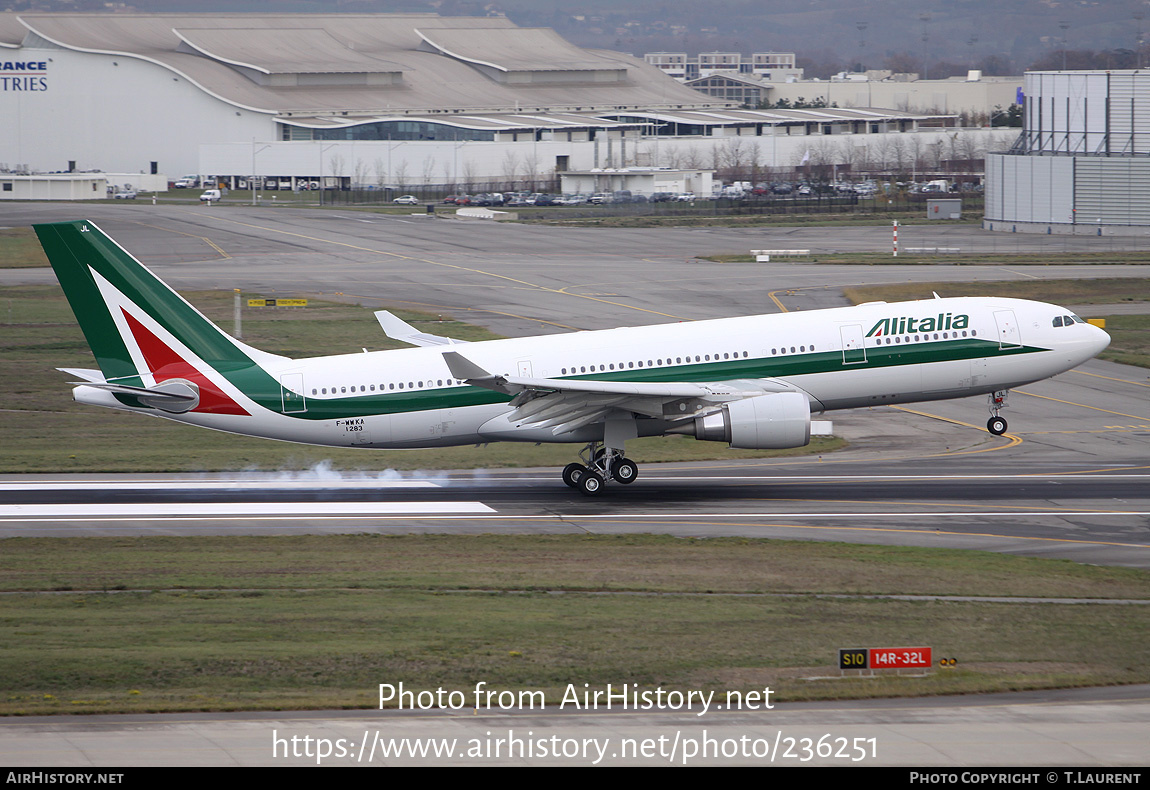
<point>110,291</point>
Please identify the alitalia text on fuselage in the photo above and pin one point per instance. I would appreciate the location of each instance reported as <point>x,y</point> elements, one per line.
<point>901,325</point>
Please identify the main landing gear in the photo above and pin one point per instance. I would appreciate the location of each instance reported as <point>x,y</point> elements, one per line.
<point>996,401</point>
<point>600,464</point>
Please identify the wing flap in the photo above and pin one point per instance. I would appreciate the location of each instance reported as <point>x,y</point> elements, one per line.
<point>565,405</point>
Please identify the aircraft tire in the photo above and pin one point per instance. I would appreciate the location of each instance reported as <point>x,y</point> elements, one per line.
<point>996,425</point>
<point>592,483</point>
<point>571,474</point>
<point>625,471</point>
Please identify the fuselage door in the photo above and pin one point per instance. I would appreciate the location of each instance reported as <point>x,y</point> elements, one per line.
<point>525,369</point>
<point>1008,336</point>
<point>854,346</point>
<point>291,393</point>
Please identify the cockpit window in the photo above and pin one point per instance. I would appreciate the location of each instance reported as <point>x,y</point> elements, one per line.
<point>1058,320</point>
<point>1076,319</point>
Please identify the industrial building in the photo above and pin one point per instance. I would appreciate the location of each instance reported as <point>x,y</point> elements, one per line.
<point>382,100</point>
<point>771,66</point>
<point>1082,162</point>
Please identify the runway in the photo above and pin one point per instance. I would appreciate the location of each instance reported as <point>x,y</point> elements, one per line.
<point>1089,516</point>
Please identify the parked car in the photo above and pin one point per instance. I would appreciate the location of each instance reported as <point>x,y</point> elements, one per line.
<point>407,200</point>
<point>187,182</point>
<point>125,194</point>
<point>211,196</point>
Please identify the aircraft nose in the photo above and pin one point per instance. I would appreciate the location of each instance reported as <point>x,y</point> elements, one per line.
<point>1100,339</point>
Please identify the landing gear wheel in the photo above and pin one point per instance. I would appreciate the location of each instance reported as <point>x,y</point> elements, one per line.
<point>625,471</point>
<point>996,425</point>
<point>591,483</point>
<point>572,473</point>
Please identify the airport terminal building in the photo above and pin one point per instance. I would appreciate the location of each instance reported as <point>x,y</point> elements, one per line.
<point>1082,162</point>
<point>395,100</point>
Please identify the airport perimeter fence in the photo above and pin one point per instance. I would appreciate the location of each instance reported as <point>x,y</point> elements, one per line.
<point>768,205</point>
<point>910,204</point>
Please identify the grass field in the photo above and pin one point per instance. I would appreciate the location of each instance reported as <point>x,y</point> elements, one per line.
<point>318,621</point>
<point>19,249</point>
<point>962,259</point>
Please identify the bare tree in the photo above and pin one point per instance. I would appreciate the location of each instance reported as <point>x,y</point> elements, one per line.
<point>428,170</point>
<point>531,168</point>
<point>754,154</point>
<point>380,171</point>
<point>693,159</point>
<point>510,168</point>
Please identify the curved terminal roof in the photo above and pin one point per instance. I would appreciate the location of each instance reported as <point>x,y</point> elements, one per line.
<point>515,49</point>
<point>293,51</point>
<point>366,64</point>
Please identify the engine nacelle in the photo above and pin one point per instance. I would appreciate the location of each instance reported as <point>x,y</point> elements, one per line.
<point>765,422</point>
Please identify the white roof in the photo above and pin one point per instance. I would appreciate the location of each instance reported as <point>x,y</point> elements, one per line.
<point>223,54</point>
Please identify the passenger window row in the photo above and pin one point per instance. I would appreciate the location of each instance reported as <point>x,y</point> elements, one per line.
<point>878,341</point>
<point>651,363</point>
<point>411,385</point>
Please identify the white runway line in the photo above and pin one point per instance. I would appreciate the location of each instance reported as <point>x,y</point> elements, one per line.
<point>237,509</point>
<point>176,485</point>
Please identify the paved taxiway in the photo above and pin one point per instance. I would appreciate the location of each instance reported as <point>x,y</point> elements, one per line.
<point>1068,481</point>
<point>523,279</point>
<point>1070,728</point>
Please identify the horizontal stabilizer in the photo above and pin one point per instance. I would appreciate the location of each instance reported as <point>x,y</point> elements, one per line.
<point>174,395</point>
<point>84,373</point>
<point>398,329</point>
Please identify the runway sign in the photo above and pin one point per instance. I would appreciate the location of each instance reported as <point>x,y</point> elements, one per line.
<point>277,302</point>
<point>884,658</point>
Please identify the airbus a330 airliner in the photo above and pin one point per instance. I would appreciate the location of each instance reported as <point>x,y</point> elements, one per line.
<point>752,382</point>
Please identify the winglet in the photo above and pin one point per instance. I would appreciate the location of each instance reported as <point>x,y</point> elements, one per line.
<point>398,329</point>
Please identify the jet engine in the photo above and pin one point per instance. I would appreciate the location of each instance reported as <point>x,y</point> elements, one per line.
<point>764,422</point>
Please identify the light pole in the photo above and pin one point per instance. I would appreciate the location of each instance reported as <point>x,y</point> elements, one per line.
<point>1065,26</point>
<point>1139,41</point>
<point>322,150</point>
<point>252,180</point>
<point>925,40</point>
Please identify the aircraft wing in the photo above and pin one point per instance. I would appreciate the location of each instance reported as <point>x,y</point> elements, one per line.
<point>398,329</point>
<point>565,405</point>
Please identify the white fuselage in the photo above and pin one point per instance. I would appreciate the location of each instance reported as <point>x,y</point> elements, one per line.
<point>841,358</point>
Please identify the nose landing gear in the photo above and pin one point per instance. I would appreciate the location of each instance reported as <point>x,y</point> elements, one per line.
<point>600,464</point>
<point>996,401</point>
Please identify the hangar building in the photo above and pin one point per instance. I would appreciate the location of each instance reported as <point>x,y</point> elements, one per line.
<point>1082,162</point>
<point>375,100</point>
